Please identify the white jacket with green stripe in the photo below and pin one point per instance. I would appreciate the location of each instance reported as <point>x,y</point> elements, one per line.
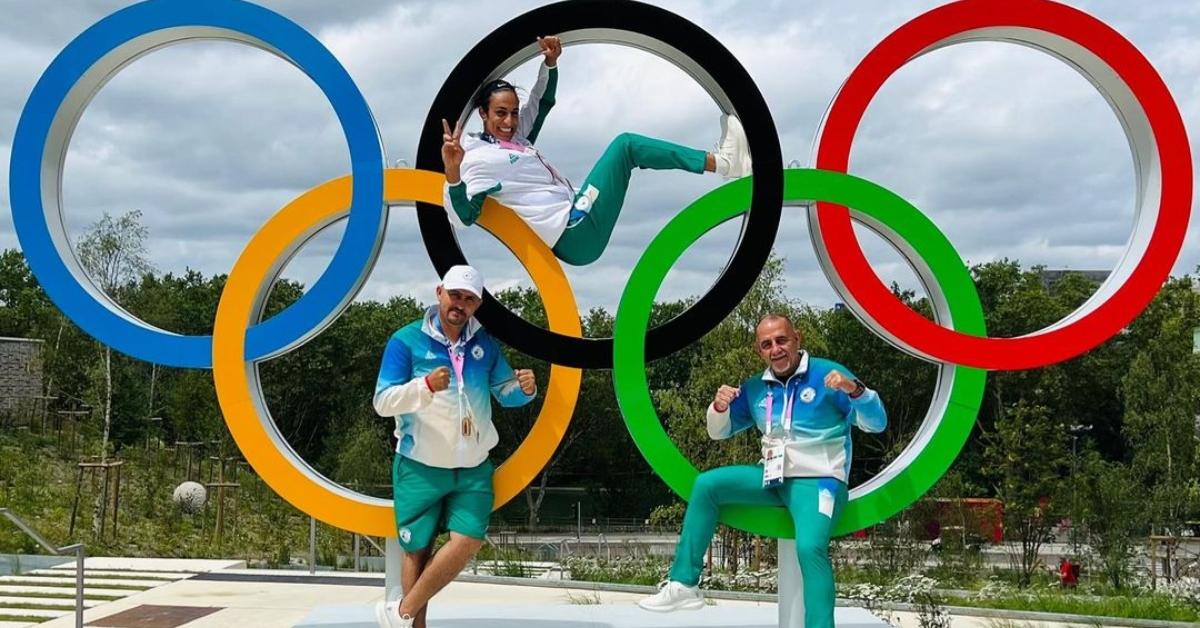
<point>517,177</point>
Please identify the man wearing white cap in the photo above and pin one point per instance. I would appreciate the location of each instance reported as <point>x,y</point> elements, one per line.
<point>437,379</point>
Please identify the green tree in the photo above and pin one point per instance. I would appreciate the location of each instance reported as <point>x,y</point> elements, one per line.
<point>113,253</point>
<point>1026,462</point>
<point>25,312</point>
<point>1162,396</point>
<point>1115,517</point>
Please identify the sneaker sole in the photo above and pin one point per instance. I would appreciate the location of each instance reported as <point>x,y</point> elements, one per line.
<point>381,616</point>
<point>739,160</point>
<point>689,605</point>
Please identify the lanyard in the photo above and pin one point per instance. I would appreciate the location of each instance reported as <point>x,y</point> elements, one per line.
<point>457,358</point>
<point>789,406</point>
<point>555,176</point>
<point>510,145</point>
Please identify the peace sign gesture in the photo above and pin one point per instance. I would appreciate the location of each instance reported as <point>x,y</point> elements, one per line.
<point>452,150</point>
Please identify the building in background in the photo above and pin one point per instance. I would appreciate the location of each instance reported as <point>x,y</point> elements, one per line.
<point>1051,277</point>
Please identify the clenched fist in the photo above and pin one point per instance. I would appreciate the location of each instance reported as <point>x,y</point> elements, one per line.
<point>526,380</point>
<point>835,380</point>
<point>725,396</point>
<point>438,379</point>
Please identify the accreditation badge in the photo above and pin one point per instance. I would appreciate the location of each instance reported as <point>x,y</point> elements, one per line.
<point>773,455</point>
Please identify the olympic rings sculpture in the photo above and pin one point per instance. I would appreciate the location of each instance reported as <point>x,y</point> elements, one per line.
<point>956,338</point>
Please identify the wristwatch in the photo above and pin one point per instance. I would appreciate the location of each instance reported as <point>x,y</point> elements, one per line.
<point>859,389</point>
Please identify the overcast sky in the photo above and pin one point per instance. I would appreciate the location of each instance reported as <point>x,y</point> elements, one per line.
<point>1009,151</point>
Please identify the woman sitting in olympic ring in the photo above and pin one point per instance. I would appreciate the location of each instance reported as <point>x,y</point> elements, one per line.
<point>502,162</point>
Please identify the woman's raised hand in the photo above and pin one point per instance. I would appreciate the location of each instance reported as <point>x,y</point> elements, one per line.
<point>551,48</point>
<point>452,150</point>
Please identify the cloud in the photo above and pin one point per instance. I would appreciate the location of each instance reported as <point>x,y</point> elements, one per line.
<point>1008,151</point>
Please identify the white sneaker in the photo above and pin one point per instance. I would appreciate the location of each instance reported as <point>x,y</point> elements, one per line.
<point>388,615</point>
<point>674,596</point>
<point>732,155</point>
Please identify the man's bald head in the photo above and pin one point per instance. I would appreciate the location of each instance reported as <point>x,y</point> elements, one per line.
<point>778,343</point>
<point>776,319</point>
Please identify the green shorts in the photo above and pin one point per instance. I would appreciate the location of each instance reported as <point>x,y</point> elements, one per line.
<point>429,500</point>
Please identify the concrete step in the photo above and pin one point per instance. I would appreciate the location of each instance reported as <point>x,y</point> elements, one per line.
<point>55,582</point>
<point>70,581</point>
<point>17,590</point>
<point>55,601</point>
<point>182,565</point>
<point>159,576</point>
<point>31,612</point>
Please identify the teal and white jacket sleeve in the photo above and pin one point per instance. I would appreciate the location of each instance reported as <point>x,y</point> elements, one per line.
<point>541,100</point>
<point>465,198</point>
<point>735,419</point>
<point>503,382</point>
<point>480,176</point>
<point>397,390</point>
<point>867,411</point>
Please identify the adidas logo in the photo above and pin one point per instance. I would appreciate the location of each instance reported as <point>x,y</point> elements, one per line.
<point>512,158</point>
<point>430,355</point>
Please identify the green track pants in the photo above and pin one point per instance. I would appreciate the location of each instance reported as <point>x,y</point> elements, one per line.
<point>814,504</point>
<point>599,200</point>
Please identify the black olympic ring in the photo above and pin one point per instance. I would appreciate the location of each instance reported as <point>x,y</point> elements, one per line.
<point>687,46</point>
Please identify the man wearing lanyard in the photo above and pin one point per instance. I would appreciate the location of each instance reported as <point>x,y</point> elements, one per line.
<point>437,379</point>
<point>804,407</point>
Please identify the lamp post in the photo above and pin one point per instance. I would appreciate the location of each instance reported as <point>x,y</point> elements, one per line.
<point>1076,431</point>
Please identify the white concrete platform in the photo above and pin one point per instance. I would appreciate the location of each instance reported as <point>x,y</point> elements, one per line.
<point>580,616</point>
<point>287,602</point>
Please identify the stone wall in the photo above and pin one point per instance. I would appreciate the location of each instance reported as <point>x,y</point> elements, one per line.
<point>20,372</point>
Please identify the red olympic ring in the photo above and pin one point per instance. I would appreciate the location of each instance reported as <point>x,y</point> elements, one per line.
<point>1069,338</point>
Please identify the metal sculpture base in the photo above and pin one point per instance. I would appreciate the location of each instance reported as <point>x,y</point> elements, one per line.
<point>791,587</point>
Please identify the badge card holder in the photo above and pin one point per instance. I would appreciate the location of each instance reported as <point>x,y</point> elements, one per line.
<point>773,455</point>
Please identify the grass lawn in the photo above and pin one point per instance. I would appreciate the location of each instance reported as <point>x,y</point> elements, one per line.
<point>1142,607</point>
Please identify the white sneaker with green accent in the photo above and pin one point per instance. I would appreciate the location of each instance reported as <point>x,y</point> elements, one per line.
<point>388,615</point>
<point>732,154</point>
<point>674,596</point>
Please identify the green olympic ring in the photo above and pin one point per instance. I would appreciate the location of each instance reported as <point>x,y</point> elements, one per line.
<point>930,454</point>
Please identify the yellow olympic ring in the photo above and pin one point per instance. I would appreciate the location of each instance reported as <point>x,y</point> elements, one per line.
<point>299,219</point>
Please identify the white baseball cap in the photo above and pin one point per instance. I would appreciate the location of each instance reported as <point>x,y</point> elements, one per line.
<point>463,277</point>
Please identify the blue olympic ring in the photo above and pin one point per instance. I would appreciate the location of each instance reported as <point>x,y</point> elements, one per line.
<point>58,100</point>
